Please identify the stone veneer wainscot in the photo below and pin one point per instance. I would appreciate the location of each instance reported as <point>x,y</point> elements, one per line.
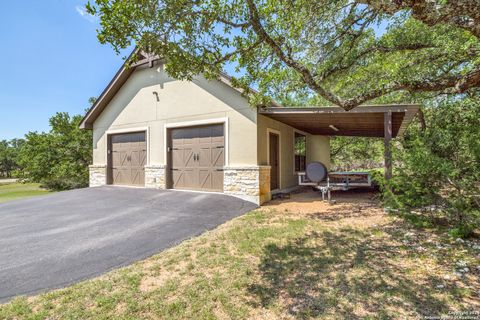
<point>251,183</point>
<point>155,176</point>
<point>97,175</point>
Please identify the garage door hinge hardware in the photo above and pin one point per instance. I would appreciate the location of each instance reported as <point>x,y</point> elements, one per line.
<point>218,147</point>
<point>219,169</point>
<point>173,169</point>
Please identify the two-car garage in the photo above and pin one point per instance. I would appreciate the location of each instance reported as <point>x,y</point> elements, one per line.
<point>195,158</point>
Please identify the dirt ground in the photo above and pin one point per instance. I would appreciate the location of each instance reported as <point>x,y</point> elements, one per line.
<point>344,204</point>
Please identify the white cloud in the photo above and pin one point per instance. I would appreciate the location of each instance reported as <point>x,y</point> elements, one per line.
<point>84,14</point>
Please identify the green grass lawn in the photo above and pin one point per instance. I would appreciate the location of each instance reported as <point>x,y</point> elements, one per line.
<point>334,262</point>
<point>12,191</point>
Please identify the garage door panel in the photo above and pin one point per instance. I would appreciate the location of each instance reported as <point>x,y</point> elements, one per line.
<point>218,140</point>
<point>218,157</point>
<point>217,180</point>
<point>205,157</point>
<point>135,177</point>
<point>143,158</point>
<point>135,154</point>
<point>211,180</point>
<point>184,143</point>
<point>128,158</point>
<point>184,179</point>
<point>205,179</point>
<point>177,177</point>
<point>200,151</point>
<point>182,158</point>
<point>177,157</point>
<point>119,158</point>
<point>188,158</point>
<point>190,179</point>
<point>121,176</point>
<point>211,157</point>
<point>136,158</point>
<point>116,174</point>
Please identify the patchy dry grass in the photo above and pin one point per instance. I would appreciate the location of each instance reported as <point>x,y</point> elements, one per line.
<point>294,259</point>
<point>16,190</point>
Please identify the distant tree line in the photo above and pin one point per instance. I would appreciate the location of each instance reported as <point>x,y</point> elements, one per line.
<point>9,150</point>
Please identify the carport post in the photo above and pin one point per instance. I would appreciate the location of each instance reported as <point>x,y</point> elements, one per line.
<point>387,124</point>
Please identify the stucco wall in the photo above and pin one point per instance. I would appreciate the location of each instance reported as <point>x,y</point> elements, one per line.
<point>317,149</point>
<point>136,106</point>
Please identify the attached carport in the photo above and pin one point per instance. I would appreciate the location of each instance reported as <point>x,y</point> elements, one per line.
<point>387,121</point>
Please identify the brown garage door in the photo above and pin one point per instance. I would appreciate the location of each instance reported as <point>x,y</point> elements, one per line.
<point>127,156</point>
<point>196,158</point>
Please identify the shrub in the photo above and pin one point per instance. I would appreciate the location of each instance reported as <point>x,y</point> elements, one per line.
<point>438,168</point>
<point>58,159</point>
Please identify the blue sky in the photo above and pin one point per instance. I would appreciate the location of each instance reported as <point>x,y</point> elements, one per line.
<point>51,61</point>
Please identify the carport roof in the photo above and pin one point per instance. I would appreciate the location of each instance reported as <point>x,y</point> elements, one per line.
<point>362,121</point>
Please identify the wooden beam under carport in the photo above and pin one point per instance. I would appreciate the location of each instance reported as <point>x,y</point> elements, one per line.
<point>387,125</point>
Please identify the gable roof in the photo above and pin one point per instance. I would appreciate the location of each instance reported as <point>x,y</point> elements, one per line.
<point>112,88</point>
<point>122,76</point>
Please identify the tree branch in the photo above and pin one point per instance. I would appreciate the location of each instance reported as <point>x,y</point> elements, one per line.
<point>421,120</point>
<point>304,72</point>
<point>233,24</point>
<point>457,83</point>
<point>342,67</point>
<point>464,14</point>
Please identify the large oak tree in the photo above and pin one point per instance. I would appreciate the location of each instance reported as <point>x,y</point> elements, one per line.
<point>343,52</point>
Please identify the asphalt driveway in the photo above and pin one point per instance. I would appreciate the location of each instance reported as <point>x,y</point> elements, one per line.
<point>51,241</point>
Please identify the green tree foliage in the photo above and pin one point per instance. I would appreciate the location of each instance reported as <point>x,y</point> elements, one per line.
<point>440,165</point>
<point>59,158</point>
<point>356,153</point>
<point>287,49</point>
<point>9,157</point>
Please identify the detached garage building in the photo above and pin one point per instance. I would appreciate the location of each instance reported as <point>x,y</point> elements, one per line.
<point>152,131</point>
